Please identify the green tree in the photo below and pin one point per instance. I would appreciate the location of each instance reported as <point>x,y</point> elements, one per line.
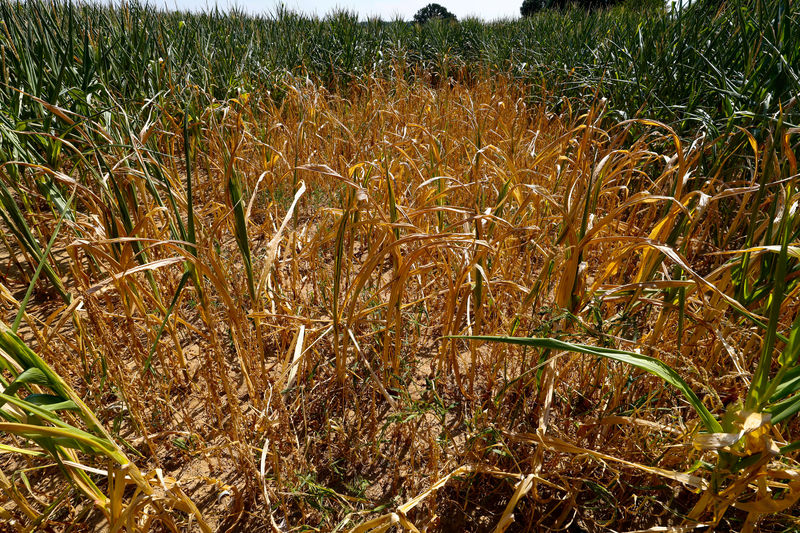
<point>529,7</point>
<point>433,11</point>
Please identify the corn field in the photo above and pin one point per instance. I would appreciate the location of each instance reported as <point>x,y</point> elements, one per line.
<point>284,273</point>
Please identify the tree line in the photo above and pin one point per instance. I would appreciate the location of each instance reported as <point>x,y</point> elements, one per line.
<point>529,7</point>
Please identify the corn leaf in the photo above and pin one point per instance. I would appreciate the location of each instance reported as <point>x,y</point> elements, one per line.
<point>643,362</point>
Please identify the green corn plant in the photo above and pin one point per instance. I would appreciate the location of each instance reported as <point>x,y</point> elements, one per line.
<point>233,181</point>
<point>42,263</point>
<point>237,199</point>
<point>14,219</point>
<point>46,417</point>
<point>674,65</point>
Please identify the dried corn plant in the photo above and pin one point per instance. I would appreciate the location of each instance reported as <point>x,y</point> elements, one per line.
<point>278,306</point>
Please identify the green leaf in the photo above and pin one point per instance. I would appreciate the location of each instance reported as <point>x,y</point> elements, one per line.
<point>791,352</point>
<point>240,222</point>
<point>790,383</point>
<point>31,375</point>
<point>643,362</point>
<point>51,402</point>
<point>783,410</point>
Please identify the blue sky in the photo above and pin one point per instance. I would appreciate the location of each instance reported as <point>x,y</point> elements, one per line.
<point>386,9</point>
